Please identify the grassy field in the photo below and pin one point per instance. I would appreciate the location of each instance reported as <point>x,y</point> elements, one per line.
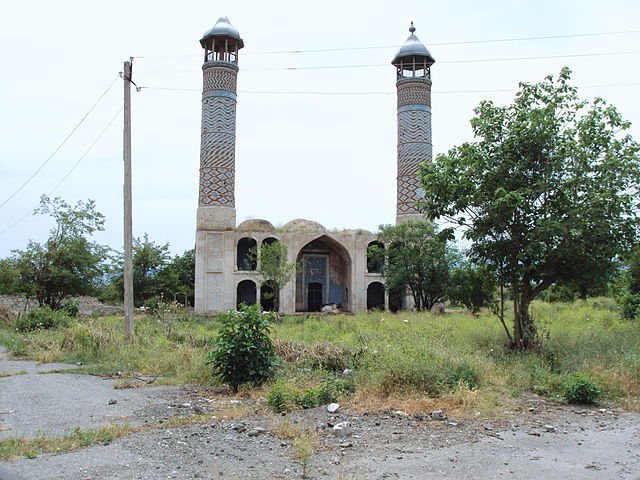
<point>406,361</point>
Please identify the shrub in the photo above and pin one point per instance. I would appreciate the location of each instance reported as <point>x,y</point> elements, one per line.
<point>70,307</point>
<point>42,318</point>
<point>464,373</point>
<point>243,351</point>
<point>581,389</point>
<point>631,307</point>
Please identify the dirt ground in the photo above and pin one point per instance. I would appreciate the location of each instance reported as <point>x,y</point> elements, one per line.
<point>540,440</point>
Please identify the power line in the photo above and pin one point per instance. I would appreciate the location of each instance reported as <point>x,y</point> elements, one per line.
<point>73,167</point>
<point>464,42</point>
<point>435,92</point>
<point>61,144</point>
<point>376,65</point>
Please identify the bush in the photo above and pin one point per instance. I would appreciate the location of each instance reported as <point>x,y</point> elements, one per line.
<point>42,318</point>
<point>70,307</point>
<point>463,373</point>
<point>285,397</point>
<point>243,351</point>
<point>630,307</point>
<point>581,389</point>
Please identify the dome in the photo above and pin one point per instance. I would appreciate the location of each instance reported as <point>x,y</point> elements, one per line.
<point>256,225</point>
<point>222,28</point>
<point>357,231</point>
<point>301,225</point>
<point>413,49</point>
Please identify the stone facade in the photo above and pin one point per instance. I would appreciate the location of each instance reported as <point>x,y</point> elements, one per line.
<point>334,268</point>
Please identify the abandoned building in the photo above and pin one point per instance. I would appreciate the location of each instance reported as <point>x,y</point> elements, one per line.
<point>334,266</point>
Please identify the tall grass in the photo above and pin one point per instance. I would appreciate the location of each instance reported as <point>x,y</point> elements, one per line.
<point>416,360</point>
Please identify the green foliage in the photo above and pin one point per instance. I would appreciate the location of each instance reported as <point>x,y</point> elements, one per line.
<point>630,308</point>
<point>244,352</point>
<point>42,318</point>
<point>472,286</point>
<point>70,307</point>
<point>581,389</point>
<point>273,269</point>
<point>463,373</point>
<point>286,396</point>
<point>68,263</point>
<point>416,259</point>
<point>547,193</point>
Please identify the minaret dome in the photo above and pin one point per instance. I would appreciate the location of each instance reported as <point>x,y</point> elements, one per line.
<point>413,59</point>
<point>222,42</point>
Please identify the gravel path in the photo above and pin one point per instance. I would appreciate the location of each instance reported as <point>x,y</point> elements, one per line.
<point>540,440</point>
<point>34,403</point>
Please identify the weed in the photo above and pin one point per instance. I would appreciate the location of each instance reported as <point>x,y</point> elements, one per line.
<point>13,447</point>
<point>581,389</point>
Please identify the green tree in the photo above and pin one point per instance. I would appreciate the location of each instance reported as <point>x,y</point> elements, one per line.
<point>472,286</point>
<point>416,258</point>
<point>548,191</point>
<point>67,263</point>
<point>273,269</point>
<point>149,259</point>
<point>177,279</point>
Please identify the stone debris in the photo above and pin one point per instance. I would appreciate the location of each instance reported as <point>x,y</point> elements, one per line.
<point>112,402</point>
<point>333,407</point>
<point>341,429</point>
<point>254,432</point>
<point>438,415</point>
<point>549,428</point>
<point>347,371</point>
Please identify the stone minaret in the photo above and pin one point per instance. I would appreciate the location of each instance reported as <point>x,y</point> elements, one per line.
<point>413,66</point>
<point>216,200</point>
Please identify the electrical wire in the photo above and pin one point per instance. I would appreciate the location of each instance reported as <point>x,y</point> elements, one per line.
<point>464,42</point>
<point>61,144</point>
<point>376,65</point>
<point>435,92</point>
<point>73,167</point>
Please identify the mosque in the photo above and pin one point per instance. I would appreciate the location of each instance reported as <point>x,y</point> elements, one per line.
<point>334,268</point>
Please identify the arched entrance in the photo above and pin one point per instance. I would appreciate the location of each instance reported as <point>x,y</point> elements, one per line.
<point>375,296</point>
<point>246,293</point>
<point>325,276</point>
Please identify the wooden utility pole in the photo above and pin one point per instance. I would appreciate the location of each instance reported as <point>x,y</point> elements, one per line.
<point>128,222</point>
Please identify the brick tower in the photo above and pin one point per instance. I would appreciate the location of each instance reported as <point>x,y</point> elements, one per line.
<point>216,200</point>
<point>413,71</point>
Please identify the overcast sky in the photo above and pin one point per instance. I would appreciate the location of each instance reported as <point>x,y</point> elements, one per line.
<point>329,158</point>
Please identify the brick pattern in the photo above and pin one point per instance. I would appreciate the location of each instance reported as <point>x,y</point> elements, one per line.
<point>219,77</point>
<point>414,141</point>
<point>218,137</point>
<point>414,92</point>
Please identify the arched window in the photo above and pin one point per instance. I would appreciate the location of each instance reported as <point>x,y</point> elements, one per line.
<point>375,296</point>
<point>269,241</point>
<point>246,293</point>
<point>374,262</point>
<point>246,254</point>
<point>267,297</point>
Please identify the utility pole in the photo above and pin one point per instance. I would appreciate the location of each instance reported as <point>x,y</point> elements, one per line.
<point>128,222</point>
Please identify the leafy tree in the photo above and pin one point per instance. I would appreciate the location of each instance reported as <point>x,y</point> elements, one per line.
<point>416,259</point>
<point>67,263</point>
<point>273,269</point>
<point>472,286</point>
<point>177,279</point>
<point>149,259</point>
<point>548,191</point>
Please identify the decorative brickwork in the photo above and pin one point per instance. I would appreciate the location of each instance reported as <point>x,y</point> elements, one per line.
<point>414,140</point>
<point>217,187</point>
<point>414,92</point>
<point>218,76</point>
<point>218,135</point>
